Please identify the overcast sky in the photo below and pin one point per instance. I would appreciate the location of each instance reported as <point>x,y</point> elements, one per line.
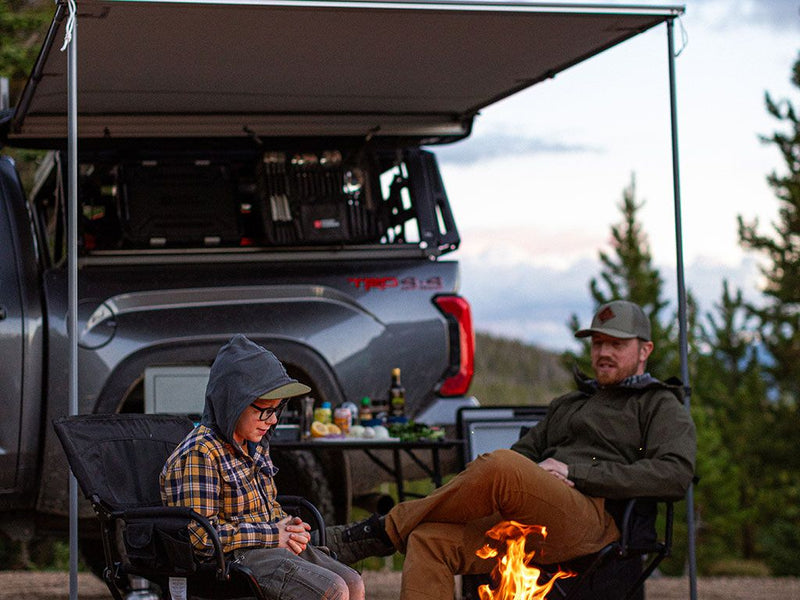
<point>537,186</point>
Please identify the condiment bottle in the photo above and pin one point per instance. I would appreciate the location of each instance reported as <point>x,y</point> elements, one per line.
<point>397,396</point>
<point>342,418</point>
<point>365,411</point>
<point>323,413</point>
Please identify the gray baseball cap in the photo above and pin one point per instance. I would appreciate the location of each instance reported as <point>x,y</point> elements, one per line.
<point>619,319</point>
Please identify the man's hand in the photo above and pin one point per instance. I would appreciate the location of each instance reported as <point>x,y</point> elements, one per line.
<point>558,469</point>
<point>293,534</point>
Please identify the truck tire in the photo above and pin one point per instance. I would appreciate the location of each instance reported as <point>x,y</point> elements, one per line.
<point>301,474</point>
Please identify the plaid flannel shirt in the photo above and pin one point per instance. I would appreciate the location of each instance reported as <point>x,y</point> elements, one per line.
<point>235,491</point>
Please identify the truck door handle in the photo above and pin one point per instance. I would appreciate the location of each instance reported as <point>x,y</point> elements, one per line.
<point>3,313</point>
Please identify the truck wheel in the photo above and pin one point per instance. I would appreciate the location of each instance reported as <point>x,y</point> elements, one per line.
<point>301,474</point>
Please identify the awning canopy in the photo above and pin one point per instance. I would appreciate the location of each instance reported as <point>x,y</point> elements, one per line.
<point>275,67</point>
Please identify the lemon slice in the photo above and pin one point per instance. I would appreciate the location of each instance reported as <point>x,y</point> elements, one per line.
<point>319,429</point>
<point>333,429</point>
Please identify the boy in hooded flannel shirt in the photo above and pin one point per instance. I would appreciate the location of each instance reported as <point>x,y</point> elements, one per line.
<point>223,471</point>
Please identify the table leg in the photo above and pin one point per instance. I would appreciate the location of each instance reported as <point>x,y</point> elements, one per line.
<point>398,474</point>
<point>437,468</point>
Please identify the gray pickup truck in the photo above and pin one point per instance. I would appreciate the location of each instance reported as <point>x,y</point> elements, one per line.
<point>255,167</point>
<point>305,252</point>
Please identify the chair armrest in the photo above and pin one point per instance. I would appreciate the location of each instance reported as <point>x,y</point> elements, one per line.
<point>626,525</point>
<point>152,512</point>
<point>300,502</point>
<point>221,567</point>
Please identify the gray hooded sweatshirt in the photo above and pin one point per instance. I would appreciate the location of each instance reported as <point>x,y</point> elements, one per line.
<point>242,372</point>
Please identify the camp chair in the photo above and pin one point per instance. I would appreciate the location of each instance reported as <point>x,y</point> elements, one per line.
<point>117,460</point>
<point>617,571</point>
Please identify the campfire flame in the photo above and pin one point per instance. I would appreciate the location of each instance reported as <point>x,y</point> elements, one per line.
<point>517,580</point>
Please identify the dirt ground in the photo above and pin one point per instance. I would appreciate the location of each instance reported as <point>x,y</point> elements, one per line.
<point>25,585</point>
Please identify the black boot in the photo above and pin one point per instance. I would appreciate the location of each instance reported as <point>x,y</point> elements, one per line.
<point>356,541</point>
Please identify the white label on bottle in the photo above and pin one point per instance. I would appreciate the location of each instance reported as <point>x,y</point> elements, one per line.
<point>177,588</point>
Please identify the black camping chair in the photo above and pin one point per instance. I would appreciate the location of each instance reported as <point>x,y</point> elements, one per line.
<point>117,460</point>
<point>617,571</point>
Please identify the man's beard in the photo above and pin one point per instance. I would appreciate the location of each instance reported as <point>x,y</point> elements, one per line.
<point>611,372</point>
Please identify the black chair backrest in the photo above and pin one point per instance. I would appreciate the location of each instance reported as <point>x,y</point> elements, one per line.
<point>640,529</point>
<point>117,458</point>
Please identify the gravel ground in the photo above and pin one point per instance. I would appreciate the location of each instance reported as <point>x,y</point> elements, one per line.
<point>26,585</point>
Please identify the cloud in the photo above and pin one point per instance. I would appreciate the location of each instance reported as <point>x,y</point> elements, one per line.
<point>528,302</point>
<point>531,245</point>
<point>503,145</point>
<point>533,303</point>
<point>705,276</point>
<point>774,14</point>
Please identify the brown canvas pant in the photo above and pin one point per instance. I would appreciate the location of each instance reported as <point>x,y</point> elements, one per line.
<point>440,533</point>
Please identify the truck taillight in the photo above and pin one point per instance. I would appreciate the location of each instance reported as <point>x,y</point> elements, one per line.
<point>462,345</point>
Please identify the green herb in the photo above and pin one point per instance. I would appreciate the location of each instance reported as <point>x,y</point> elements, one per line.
<point>412,432</point>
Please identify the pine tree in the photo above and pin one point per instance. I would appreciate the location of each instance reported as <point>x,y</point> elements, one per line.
<point>628,274</point>
<point>778,319</point>
<point>22,27</point>
<point>731,395</point>
<point>780,315</point>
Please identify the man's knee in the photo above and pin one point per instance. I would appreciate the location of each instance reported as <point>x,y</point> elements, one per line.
<point>501,464</point>
<point>424,541</point>
<point>504,456</point>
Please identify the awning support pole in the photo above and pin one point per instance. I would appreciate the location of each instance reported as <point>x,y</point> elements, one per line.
<point>72,286</point>
<point>682,328</point>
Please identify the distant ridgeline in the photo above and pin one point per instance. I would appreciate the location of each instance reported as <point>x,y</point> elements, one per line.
<point>511,372</point>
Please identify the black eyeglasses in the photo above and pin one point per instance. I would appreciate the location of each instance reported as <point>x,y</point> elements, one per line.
<point>266,413</point>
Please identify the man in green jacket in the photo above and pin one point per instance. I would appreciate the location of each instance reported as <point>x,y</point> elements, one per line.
<point>622,434</point>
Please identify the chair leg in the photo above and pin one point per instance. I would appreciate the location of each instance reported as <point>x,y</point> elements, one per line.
<point>470,585</point>
<point>110,581</point>
<point>580,582</point>
<point>646,572</point>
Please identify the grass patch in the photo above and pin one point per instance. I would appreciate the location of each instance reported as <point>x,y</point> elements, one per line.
<point>737,567</point>
<point>38,554</point>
